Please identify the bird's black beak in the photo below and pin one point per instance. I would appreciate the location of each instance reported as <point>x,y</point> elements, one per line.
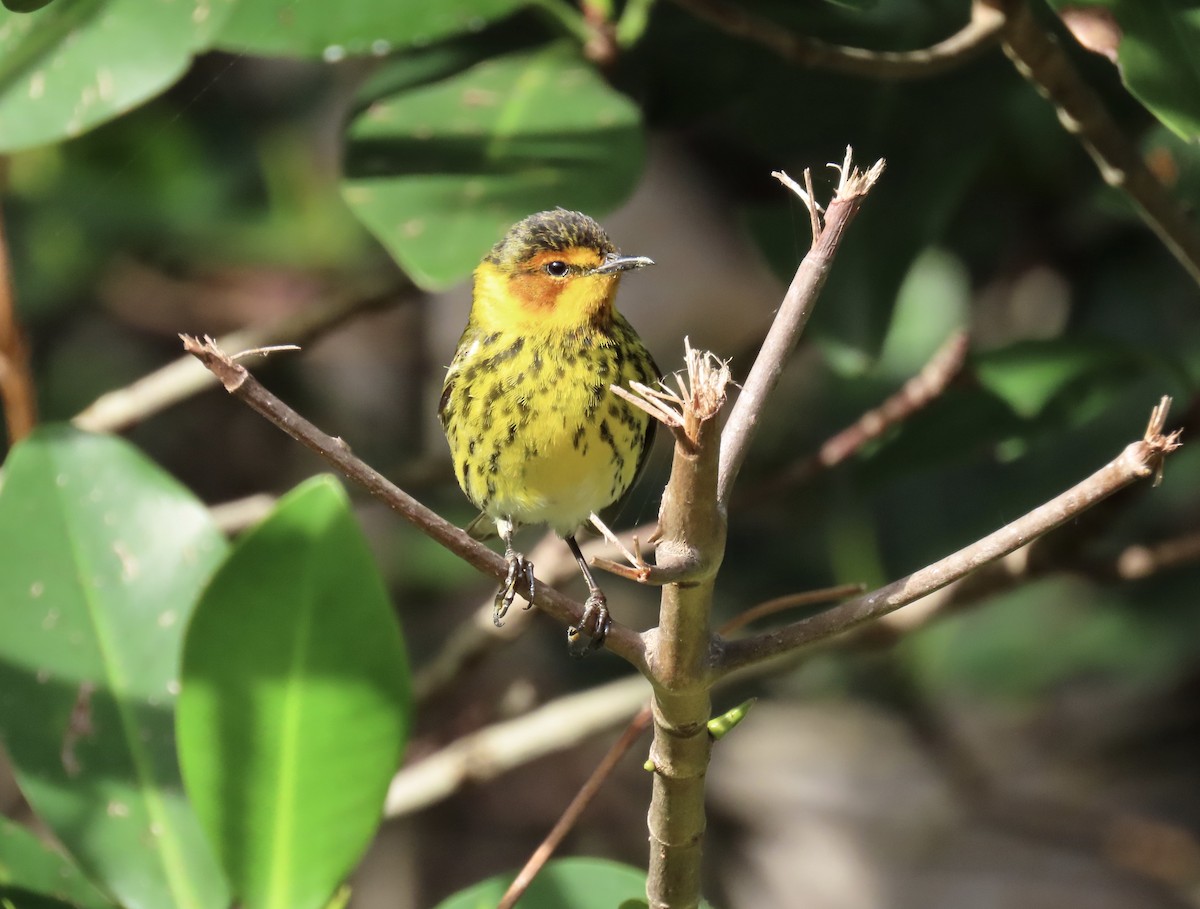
<point>614,264</point>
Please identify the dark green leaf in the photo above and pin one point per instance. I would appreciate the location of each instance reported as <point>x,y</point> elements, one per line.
<point>439,172</point>
<point>353,27</point>
<point>1031,375</point>
<point>72,66</point>
<point>102,556</point>
<point>581,883</point>
<point>295,703</point>
<point>29,865</point>
<point>1158,50</point>
<point>1160,59</point>
<point>26,6</point>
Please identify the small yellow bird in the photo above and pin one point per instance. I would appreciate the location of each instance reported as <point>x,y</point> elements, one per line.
<point>536,434</point>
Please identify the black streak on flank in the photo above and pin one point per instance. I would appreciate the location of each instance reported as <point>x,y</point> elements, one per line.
<point>606,437</point>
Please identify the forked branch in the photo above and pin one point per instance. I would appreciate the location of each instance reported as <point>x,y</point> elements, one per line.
<point>237,381</point>
<point>828,226</point>
<point>976,36</point>
<point>1139,460</point>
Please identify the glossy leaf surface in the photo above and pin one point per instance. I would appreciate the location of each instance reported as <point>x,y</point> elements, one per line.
<point>295,702</point>
<point>353,27</point>
<point>75,64</point>
<point>438,172</point>
<point>102,556</point>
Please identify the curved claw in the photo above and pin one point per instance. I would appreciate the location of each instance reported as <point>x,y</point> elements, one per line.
<point>519,568</point>
<point>588,636</point>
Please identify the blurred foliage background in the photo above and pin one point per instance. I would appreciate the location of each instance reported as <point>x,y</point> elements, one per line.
<point>205,166</point>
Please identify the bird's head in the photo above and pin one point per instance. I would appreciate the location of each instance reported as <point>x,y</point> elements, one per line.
<point>554,269</point>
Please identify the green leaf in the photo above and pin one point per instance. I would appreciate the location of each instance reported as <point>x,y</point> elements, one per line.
<point>581,883</point>
<point>439,172</point>
<point>295,703</point>
<point>26,6</point>
<point>102,556</point>
<point>353,27</point>
<point>1082,375</point>
<point>71,66</point>
<point>1158,52</point>
<point>27,865</point>
<point>1160,59</point>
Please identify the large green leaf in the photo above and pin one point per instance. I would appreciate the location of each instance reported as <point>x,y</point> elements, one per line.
<point>78,63</point>
<point>26,6</point>
<point>1158,50</point>
<point>102,556</point>
<point>28,866</point>
<point>353,27</point>
<point>295,703</point>
<point>581,883</point>
<point>1160,59</point>
<point>1079,375</point>
<point>438,172</point>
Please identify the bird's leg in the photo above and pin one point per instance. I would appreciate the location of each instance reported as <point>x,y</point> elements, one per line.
<point>589,634</point>
<point>519,568</point>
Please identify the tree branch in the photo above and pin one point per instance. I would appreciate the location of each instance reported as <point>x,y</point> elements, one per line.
<point>639,724</point>
<point>484,755</point>
<point>621,640</point>
<point>791,318</point>
<point>16,380</point>
<point>916,394</point>
<point>975,37</point>
<point>123,407</point>
<point>692,535</point>
<point>1041,59</point>
<point>472,639</point>
<point>1139,460</point>
<point>1145,559</point>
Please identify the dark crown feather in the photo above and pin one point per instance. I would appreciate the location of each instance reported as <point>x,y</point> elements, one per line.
<point>558,229</point>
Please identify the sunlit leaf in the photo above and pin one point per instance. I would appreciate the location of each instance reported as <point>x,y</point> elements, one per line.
<point>353,27</point>
<point>1158,52</point>
<point>102,556</point>
<point>27,866</point>
<point>73,65</point>
<point>438,172</point>
<point>295,702</point>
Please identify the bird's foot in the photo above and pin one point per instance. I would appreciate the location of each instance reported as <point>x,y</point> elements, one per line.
<point>588,636</point>
<point>519,569</point>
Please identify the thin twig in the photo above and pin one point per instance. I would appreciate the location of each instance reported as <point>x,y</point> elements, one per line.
<point>1146,559</point>
<point>16,379</point>
<point>119,409</point>
<point>638,725</point>
<point>634,731</point>
<point>1138,461</point>
<point>572,720</point>
<point>471,640</point>
<point>1040,58</point>
<point>235,516</point>
<point>555,726</point>
<point>791,601</point>
<point>916,394</point>
<point>621,640</point>
<point>976,36</point>
<point>793,315</point>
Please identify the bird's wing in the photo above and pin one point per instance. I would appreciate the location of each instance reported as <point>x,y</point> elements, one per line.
<point>466,346</point>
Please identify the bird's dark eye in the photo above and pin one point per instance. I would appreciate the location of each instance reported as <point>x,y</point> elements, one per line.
<point>557,269</point>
